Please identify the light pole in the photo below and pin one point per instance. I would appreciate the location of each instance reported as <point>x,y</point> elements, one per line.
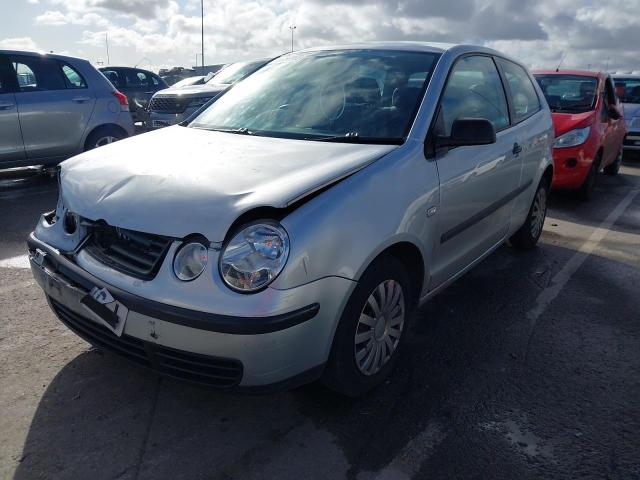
<point>202,31</point>
<point>292,28</point>
<point>106,40</point>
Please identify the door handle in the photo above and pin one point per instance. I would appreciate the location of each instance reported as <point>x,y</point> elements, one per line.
<point>6,105</point>
<point>516,149</point>
<point>81,99</point>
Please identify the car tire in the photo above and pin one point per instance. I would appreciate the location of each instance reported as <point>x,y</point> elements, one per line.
<point>103,136</point>
<point>366,344</point>
<point>614,168</point>
<point>529,233</point>
<point>585,192</point>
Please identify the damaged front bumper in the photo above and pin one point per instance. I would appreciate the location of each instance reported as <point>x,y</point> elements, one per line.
<point>270,352</point>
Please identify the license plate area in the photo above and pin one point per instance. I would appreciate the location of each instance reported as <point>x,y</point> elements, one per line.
<point>104,309</point>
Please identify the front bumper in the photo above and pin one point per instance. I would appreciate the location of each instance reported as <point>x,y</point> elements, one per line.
<point>571,166</point>
<point>271,352</point>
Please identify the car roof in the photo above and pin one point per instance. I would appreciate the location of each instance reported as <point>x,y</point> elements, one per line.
<point>114,67</point>
<point>630,76</point>
<point>433,47</point>
<point>581,73</point>
<point>31,53</point>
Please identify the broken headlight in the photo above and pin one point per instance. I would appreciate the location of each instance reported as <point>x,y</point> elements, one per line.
<point>254,257</point>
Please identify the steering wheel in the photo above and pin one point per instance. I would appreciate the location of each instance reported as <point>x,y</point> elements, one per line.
<point>327,94</point>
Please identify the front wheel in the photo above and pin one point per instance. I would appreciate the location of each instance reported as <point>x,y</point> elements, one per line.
<point>614,168</point>
<point>371,329</point>
<point>527,236</point>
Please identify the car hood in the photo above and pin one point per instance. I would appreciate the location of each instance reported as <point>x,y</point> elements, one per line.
<point>178,180</point>
<point>631,110</point>
<point>206,89</point>
<point>564,122</point>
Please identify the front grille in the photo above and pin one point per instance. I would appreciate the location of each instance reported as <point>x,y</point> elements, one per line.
<point>135,253</point>
<point>192,367</point>
<point>169,104</point>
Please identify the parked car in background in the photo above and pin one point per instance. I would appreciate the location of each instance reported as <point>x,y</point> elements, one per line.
<point>289,230</point>
<point>589,127</point>
<point>172,106</point>
<point>186,82</point>
<point>53,107</point>
<point>138,85</point>
<point>628,91</point>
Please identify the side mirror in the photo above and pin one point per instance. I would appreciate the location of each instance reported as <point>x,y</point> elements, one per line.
<point>613,112</point>
<point>468,131</point>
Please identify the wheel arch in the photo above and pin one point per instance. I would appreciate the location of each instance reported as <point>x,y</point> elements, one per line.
<point>102,126</point>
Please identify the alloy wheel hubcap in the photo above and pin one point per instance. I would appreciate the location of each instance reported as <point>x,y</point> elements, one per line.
<point>538,213</point>
<point>106,140</point>
<point>379,328</point>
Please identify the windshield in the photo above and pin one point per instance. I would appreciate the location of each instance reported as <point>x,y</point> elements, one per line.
<point>628,89</point>
<point>341,95</point>
<point>235,72</point>
<point>569,93</point>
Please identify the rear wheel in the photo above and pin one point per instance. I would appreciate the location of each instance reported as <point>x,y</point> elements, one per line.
<point>527,236</point>
<point>614,168</point>
<point>371,329</point>
<point>103,136</point>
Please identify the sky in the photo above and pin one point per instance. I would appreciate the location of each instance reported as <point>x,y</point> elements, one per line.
<point>163,33</point>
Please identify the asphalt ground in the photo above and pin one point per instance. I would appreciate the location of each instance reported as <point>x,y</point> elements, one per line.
<point>528,367</point>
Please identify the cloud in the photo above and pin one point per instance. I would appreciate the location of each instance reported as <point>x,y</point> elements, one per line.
<point>600,34</point>
<point>19,43</point>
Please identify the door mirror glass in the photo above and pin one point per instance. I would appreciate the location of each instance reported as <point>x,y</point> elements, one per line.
<point>468,131</point>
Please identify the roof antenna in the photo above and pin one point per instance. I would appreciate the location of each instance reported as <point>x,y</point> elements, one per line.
<point>564,54</point>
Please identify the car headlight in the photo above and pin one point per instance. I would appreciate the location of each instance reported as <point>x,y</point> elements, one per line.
<point>572,138</point>
<point>190,261</point>
<point>198,102</point>
<point>254,257</point>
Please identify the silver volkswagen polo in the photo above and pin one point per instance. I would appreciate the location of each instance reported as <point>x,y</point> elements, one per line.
<point>287,233</point>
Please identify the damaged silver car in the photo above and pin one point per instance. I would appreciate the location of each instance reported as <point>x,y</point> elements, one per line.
<point>286,234</point>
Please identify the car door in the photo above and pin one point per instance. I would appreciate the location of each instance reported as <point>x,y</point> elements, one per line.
<point>477,183</point>
<point>614,128</point>
<point>531,127</point>
<point>55,104</point>
<point>11,146</point>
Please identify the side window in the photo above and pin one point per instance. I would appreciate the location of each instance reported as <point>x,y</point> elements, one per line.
<point>73,79</point>
<point>113,77</point>
<point>154,81</point>
<point>37,74</point>
<point>523,93</point>
<point>6,71</point>
<point>474,90</point>
<point>137,79</point>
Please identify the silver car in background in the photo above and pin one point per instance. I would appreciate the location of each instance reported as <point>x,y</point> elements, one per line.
<point>178,102</point>
<point>312,208</point>
<point>53,107</point>
<point>628,91</point>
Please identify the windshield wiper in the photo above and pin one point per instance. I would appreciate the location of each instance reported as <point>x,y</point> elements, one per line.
<point>238,131</point>
<point>354,137</point>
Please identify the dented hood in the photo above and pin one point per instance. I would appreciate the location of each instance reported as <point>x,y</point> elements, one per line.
<point>178,181</point>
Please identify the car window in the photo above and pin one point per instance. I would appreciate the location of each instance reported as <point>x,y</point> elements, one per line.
<point>568,93</point>
<point>5,74</point>
<point>474,90</point>
<point>628,89</point>
<point>72,77</point>
<point>137,79</point>
<point>523,94</point>
<point>113,77</point>
<point>155,80</point>
<point>37,73</point>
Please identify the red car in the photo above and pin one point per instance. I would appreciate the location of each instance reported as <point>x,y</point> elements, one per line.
<point>589,127</point>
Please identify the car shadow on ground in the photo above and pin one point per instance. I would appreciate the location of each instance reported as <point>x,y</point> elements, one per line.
<point>463,367</point>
